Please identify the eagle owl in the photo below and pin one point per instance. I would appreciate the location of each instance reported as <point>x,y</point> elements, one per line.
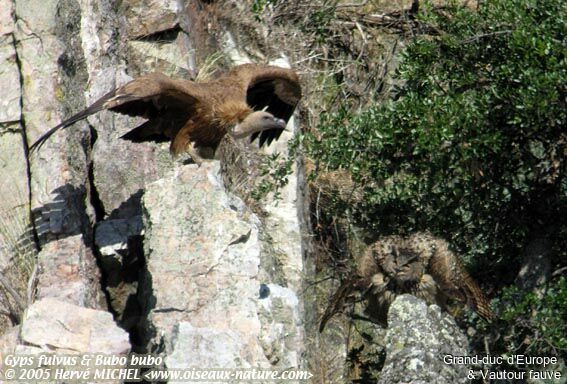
<point>419,264</point>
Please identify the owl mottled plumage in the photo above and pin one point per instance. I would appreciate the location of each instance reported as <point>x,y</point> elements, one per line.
<point>419,264</point>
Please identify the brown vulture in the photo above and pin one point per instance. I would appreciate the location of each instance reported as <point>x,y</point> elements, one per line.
<point>250,99</point>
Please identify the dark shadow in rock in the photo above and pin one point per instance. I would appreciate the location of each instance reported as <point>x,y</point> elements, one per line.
<point>164,36</point>
<point>143,331</point>
<point>122,282</point>
<point>125,281</point>
<point>119,244</point>
<point>129,208</point>
<point>64,216</point>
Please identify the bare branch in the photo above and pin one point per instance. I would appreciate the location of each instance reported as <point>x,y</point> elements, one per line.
<point>350,5</point>
<point>484,35</point>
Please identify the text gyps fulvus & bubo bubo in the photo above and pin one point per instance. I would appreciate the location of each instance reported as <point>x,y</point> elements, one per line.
<point>250,99</point>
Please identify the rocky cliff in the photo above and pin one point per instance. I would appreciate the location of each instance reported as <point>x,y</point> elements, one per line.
<point>111,246</point>
<point>120,227</point>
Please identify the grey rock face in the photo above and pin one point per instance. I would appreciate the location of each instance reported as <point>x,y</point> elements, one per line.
<point>14,219</point>
<point>10,108</point>
<point>203,278</point>
<point>57,325</point>
<point>417,339</point>
<point>208,347</point>
<point>68,272</point>
<point>206,254</point>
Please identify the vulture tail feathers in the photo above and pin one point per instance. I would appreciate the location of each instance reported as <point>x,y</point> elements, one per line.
<point>96,107</point>
<point>39,142</point>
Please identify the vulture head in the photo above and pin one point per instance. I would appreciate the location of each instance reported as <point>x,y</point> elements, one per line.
<point>256,122</point>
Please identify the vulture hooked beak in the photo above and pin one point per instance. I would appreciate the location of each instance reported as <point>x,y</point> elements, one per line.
<point>283,124</point>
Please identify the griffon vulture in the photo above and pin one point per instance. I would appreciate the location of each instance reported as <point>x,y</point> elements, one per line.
<point>250,99</point>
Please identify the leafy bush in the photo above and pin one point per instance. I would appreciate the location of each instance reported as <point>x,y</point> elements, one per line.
<point>274,174</point>
<point>258,7</point>
<point>535,325</point>
<point>472,146</point>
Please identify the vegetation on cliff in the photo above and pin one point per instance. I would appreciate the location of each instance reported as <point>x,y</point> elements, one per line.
<point>471,145</point>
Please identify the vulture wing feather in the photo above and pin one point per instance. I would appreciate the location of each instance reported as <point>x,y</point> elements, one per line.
<point>145,97</point>
<point>274,88</point>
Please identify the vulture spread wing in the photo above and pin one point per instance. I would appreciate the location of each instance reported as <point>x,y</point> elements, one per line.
<point>201,113</point>
<point>167,104</point>
<point>274,88</point>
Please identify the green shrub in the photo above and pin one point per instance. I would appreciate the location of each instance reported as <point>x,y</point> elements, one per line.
<point>535,325</point>
<point>473,144</point>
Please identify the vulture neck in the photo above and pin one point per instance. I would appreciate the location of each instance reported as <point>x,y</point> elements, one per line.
<point>232,112</point>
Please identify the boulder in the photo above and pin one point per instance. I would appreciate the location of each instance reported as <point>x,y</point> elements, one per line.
<point>203,278</point>
<point>418,338</point>
<point>55,325</point>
